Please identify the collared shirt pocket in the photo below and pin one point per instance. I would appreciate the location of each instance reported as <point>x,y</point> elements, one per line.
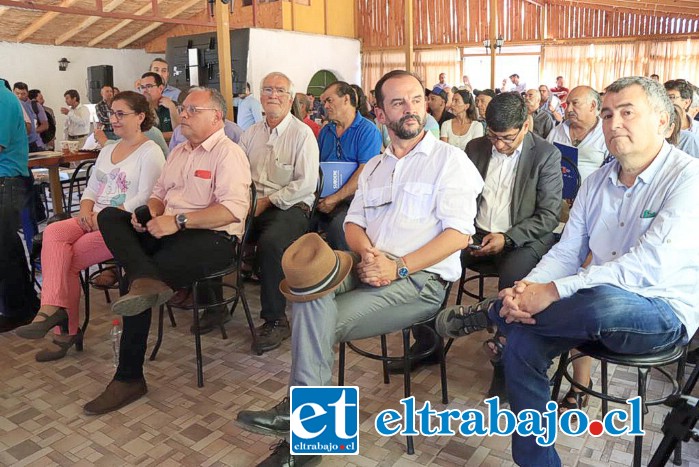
<point>417,200</point>
<point>280,174</point>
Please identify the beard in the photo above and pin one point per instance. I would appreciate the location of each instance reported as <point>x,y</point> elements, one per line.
<point>403,133</point>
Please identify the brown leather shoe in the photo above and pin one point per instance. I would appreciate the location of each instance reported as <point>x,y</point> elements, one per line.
<point>144,293</point>
<point>117,395</point>
<point>271,334</point>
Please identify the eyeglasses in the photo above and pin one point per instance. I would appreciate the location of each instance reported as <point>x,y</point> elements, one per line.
<point>503,139</point>
<point>118,114</point>
<point>192,109</point>
<point>384,195</point>
<point>338,149</point>
<point>268,91</point>
<point>148,87</point>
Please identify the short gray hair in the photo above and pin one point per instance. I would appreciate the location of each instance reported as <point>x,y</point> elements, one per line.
<point>655,92</point>
<point>278,74</point>
<point>216,97</point>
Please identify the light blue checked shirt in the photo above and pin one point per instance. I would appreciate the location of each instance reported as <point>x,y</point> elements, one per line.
<point>643,239</point>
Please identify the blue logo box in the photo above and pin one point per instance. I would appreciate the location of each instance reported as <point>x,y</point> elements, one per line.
<point>324,420</point>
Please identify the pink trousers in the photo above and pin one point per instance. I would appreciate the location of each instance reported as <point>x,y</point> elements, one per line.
<point>67,250</point>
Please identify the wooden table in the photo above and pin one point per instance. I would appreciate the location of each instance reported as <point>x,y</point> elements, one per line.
<point>51,160</point>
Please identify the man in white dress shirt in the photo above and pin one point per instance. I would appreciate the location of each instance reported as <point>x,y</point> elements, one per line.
<point>284,159</point>
<point>638,217</point>
<point>78,117</point>
<point>411,215</point>
<point>583,129</point>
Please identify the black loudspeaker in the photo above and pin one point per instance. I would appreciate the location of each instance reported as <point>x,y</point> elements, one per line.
<point>98,76</point>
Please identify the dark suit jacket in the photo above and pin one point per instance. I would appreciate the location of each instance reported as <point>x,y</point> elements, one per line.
<point>537,191</point>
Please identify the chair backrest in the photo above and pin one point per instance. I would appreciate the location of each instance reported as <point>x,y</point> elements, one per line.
<point>77,177</point>
<point>571,179</point>
<point>319,190</point>
<point>248,225</point>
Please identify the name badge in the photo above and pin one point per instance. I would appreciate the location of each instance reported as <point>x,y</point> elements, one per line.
<point>648,214</point>
<point>205,174</point>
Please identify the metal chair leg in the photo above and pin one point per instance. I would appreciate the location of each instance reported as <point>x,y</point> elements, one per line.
<point>159,340</point>
<point>443,369</point>
<point>384,363</point>
<point>341,369</point>
<point>558,376</point>
<point>638,440</point>
<point>407,361</point>
<point>197,336</point>
<point>172,316</point>
<point>605,387</point>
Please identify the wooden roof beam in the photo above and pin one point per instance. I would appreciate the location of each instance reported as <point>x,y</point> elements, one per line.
<point>116,28</point>
<point>30,5</point>
<point>87,23</point>
<point>45,19</point>
<point>154,26</point>
<point>641,8</point>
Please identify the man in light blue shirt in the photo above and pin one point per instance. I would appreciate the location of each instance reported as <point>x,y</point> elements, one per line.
<point>638,217</point>
<point>249,109</point>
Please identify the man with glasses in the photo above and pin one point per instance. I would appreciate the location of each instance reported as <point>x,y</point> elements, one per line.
<point>411,215</point>
<point>198,205</point>
<point>284,160</point>
<point>681,92</point>
<point>151,86</point>
<point>519,207</point>
<point>348,137</point>
<point>637,217</point>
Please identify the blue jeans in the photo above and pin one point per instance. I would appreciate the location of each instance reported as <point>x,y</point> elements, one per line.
<point>622,321</point>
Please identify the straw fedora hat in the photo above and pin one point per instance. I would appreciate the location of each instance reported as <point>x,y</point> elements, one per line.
<point>312,269</point>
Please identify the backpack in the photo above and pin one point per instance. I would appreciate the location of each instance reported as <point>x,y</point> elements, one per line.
<point>48,135</point>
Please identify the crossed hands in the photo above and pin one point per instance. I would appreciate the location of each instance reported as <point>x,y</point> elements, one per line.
<point>375,268</point>
<point>521,302</point>
<point>158,226</point>
<point>88,220</point>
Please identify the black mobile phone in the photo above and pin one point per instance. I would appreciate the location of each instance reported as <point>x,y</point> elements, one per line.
<point>475,246</point>
<point>143,215</point>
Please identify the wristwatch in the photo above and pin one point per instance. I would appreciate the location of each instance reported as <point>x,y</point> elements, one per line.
<point>401,269</point>
<point>181,220</point>
<point>509,244</point>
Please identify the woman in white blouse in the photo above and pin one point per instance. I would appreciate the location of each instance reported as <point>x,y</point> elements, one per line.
<point>123,176</point>
<point>462,129</point>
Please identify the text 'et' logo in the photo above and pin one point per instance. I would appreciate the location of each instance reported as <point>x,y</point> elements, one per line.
<point>324,420</point>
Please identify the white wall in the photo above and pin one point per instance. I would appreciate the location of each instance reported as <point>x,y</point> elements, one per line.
<point>300,56</point>
<point>37,65</point>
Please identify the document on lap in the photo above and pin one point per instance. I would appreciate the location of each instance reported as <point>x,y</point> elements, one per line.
<point>335,175</point>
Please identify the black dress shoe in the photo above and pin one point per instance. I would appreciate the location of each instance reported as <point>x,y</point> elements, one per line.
<point>281,457</point>
<point>274,421</point>
<point>431,359</point>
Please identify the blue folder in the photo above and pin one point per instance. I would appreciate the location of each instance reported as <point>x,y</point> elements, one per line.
<point>335,175</point>
<point>569,166</point>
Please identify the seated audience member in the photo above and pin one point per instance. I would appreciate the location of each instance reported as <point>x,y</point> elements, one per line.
<point>466,84</point>
<point>638,294</point>
<point>102,109</point>
<point>543,121</point>
<point>48,136</point>
<point>233,131</point>
<point>21,90</point>
<point>249,109</point>
<point>303,104</point>
<point>518,86</point>
<point>123,177</point>
<point>483,98</point>
<point>681,92</point>
<point>442,82</point>
<point>464,126</point>
<point>551,104</point>
<point>152,134</point>
<point>77,118</point>
<point>401,274</point>
<point>199,202</point>
<point>17,291</point>
<point>683,139</point>
<point>362,103</point>
<point>561,91</point>
<point>284,161</point>
<point>165,108</point>
<point>348,137</point>
<point>518,209</point>
<point>655,77</point>
<point>582,128</point>
<point>437,102</point>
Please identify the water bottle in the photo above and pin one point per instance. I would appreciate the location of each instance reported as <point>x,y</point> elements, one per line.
<point>115,334</point>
